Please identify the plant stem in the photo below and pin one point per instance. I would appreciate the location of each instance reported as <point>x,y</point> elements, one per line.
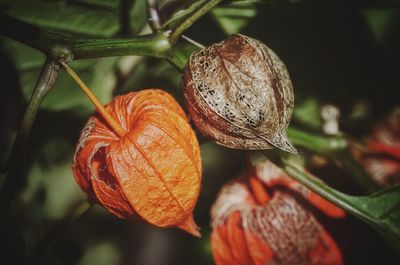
<point>190,20</point>
<point>320,144</point>
<point>351,204</point>
<point>100,108</point>
<point>58,47</point>
<point>375,210</point>
<point>345,159</point>
<point>154,18</point>
<point>153,45</point>
<point>335,148</point>
<point>17,171</point>
<point>358,206</point>
<point>297,172</point>
<point>52,45</point>
<point>193,42</point>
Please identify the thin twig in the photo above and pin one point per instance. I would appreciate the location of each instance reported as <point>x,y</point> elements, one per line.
<point>191,19</point>
<point>154,17</point>
<point>118,129</point>
<point>17,171</point>
<point>195,43</point>
<point>337,149</point>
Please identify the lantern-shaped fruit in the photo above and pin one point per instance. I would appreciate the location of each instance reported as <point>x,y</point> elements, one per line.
<point>238,93</point>
<point>265,218</point>
<point>153,171</point>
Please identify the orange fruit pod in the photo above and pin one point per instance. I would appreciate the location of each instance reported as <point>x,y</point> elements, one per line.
<point>257,224</point>
<point>153,171</point>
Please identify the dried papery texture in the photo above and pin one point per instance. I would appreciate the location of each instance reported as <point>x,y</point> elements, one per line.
<point>381,158</point>
<point>238,93</point>
<point>153,171</point>
<point>278,229</point>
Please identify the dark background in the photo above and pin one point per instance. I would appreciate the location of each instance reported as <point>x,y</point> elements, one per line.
<point>343,53</point>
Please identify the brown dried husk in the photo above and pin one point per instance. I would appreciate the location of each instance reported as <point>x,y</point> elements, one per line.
<point>153,171</point>
<point>238,93</point>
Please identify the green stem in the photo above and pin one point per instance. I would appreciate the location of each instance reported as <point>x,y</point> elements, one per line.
<point>177,58</point>
<point>154,45</point>
<point>335,148</point>
<point>356,171</point>
<point>190,20</point>
<point>16,173</point>
<point>320,144</point>
<point>379,210</point>
<point>115,126</point>
<point>340,199</point>
<point>375,210</point>
<point>153,13</point>
<point>58,47</point>
<point>53,45</point>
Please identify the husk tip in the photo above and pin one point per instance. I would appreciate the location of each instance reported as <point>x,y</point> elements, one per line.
<point>190,226</point>
<point>282,141</point>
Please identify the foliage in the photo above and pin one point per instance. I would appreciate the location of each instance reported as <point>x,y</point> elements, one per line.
<point>49,194</point>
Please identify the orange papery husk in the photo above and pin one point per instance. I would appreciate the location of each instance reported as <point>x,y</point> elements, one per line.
<point>153,171</point>
<point>282,230</point>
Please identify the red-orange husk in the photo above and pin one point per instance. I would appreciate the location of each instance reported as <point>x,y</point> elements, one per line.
<point>239,234</point>
<point>153,171</point>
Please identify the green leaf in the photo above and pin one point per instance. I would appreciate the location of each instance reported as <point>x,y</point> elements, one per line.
<point>138,16</point>
<point>233,17</point>
<point>384,208</point>
<point>89,18</point>
<point>379,20</point>
<point>86,17</point>
<point>49,180</point>
<point>380,210</point>
<point>101,253</point>
<point>98,74</point>
<point>181,14</point>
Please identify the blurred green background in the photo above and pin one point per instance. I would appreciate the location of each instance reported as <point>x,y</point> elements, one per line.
<point>339,52</point>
